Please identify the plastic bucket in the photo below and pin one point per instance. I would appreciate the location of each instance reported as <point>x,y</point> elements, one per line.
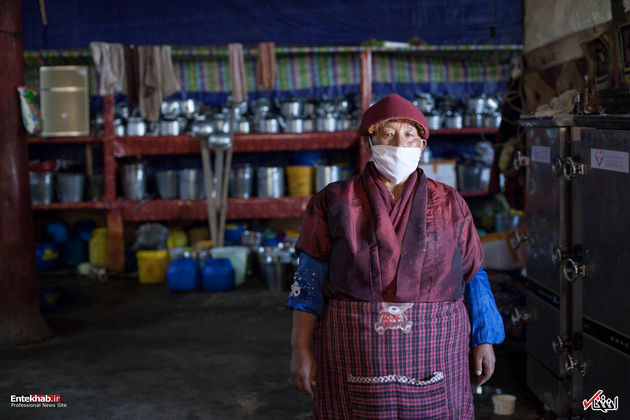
<point>98,254</point>
<point>300,180</point>
<point>152,266</point>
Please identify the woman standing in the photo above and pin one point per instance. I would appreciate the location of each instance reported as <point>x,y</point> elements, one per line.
<point>386,259</point>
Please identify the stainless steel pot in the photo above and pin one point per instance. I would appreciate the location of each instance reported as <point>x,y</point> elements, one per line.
<point>476,104</point>
<point>342,105</point>
<point>70,187</point>
<point>294,125</point>
<point>189,107</point>
<point>326,123</point>
<point>242,126</point>
<point>202,128</point>
<point>167,184</point>
<point>134,180</point>
<point>241,181</point>
<point>169,128</point>
<point>276,268</point>
<point>344,122</point>
<point>269,124</point>
<point>454,120</point>
<point>270,181</point>
<point>136,126</point>
<point>222,123</point>
<point>325,174</point>
<point>41,187</point>
<point>122,110</point>
<point>469,176</point>
<point>309,124</point>
<point>473,120</point>
<point>424,102</point>
<point>291,107</point>
<point>170,110</point>
<point>190,183</point>
<point>119,128</point>
<point>261,106</point>
<point>434,121</point>
<point>492,120</point>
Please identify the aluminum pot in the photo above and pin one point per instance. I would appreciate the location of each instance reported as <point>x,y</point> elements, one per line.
<point>242,126</point>
<point>473,120</point>
<point>169,128</point>
<point>222,123</point>
<point>342,105</point>
<point>424,102</point>
<point>276,268</point>
<point>189,107</point>
<point>269,124</point>
<point>454,120</point>
<point>310,108</point>
<point>291,107</point>
<point>344,122</point>
<point>170,110</point>
<point>136,126</point>
<point>119,128</point>
<point>326,123</point>
<point>70,187</point>
<point>202,128</point>
<point>309,124</point>
<point>469,176</point>
<point>294,125</point>
<point>325,174</point>
<point>122,110</point>
<point>492,120</point>
<point>167,184</point>
<point>476,104</point>
<point>261,106</point>
<point>134,179</point>
<point>41,187</point>
<point>434,121</point>
<point>270,181</point>
<point>190,183</point>
<point>242,181</point>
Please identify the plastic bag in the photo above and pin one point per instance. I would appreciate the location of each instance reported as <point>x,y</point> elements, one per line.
<point>29,103</point>
<point>151,236</point>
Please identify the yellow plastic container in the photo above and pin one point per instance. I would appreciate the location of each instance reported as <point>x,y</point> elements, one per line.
<point>300,180</point>
<point>177,238</point>
<point>98,248</point>
<point>152,266</point>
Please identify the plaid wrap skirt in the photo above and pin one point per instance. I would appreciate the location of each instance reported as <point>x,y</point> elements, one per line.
<point>379,360</point>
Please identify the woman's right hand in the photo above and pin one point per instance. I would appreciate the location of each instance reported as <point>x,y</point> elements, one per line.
<point>304,370</point>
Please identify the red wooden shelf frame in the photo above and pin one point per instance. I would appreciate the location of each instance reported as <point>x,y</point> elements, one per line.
<point>237,209</point>
<point>82,205</point>
<point>254,142</point>
<point>64,140</point>
<point>463,131</point>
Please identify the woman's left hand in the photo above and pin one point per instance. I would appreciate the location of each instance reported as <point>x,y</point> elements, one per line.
<point>483,359</point>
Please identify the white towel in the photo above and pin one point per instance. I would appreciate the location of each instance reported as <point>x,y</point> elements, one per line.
<point>109,60</point>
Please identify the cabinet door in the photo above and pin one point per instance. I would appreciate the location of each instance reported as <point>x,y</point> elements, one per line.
<point>601,213</point>
<point>546,205</point>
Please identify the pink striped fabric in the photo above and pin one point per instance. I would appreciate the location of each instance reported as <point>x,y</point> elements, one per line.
<point>393,374</point>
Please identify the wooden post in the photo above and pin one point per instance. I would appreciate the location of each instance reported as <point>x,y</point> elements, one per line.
<point>20,318</point>
<point>365,96</point>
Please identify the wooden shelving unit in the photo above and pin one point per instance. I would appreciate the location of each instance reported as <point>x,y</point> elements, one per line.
<point>64,140</point>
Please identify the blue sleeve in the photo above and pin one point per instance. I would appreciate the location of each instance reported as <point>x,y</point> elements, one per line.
<point>485,319</point>
<point>306,291</point>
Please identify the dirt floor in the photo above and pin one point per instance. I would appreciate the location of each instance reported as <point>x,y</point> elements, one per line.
<point>129,351</point>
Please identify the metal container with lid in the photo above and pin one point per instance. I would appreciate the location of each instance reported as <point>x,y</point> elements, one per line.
<point>270,181</point>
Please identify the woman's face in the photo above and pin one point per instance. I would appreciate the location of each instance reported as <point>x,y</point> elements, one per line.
<point>398,133</point>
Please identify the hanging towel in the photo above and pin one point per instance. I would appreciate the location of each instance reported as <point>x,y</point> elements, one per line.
<point>266,73</point>
<point>157,80</point>
<point>109,60</point>
<point>132,74</point>
<point>237,72</point>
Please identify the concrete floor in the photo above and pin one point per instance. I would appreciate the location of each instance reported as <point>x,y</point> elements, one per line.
<point>129,351</point>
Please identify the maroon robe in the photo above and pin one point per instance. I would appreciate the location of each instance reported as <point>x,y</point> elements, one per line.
<point>421,248</point>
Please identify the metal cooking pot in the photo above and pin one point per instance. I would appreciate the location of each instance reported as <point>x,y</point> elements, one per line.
<point>170,110</point>
<point>242,181</point>
<point>424,102</point>
<point>434,121</point>
<point>342,105</point>
<point>476,104</point>
<point>291,107</point>
<point>309,124</point>
<point>41,187</point>
<point>222,123</point>
<point>122,110</point>
<point>70,187</point>
<point>326,123</point>
<point>269,124</point>
<point>310,108</point>
<point>134,179</point>
<point>344,122</point>
<point>325,174</point>
<point>170,128</point>
<point>270,181</point>
<point>492,120</point>
<point>190,183</point>
<point>136,126</point>
<point>189,107</point>
<point>242,126</point>
<point>119,128</point>
<point>167,184</point>
<point>202,128</point>
<point>261,106</point>
<point>453,120</point>
<point>294,125</point>
<point>473,120</point>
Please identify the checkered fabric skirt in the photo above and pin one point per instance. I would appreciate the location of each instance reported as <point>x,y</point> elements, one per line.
<point>393,361</point>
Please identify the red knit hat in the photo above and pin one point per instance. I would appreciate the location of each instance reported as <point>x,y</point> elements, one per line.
<point>393,107</point>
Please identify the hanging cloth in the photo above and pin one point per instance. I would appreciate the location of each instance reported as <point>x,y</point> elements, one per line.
<point>237,72</point>
<point>109,60</point>
<point>266,74</point>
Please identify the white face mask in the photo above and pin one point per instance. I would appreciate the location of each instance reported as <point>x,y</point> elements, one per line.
<point>395,163</point>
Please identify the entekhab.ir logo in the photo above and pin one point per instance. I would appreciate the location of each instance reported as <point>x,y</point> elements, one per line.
<point>37,401</point>
<point>600,402</point>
